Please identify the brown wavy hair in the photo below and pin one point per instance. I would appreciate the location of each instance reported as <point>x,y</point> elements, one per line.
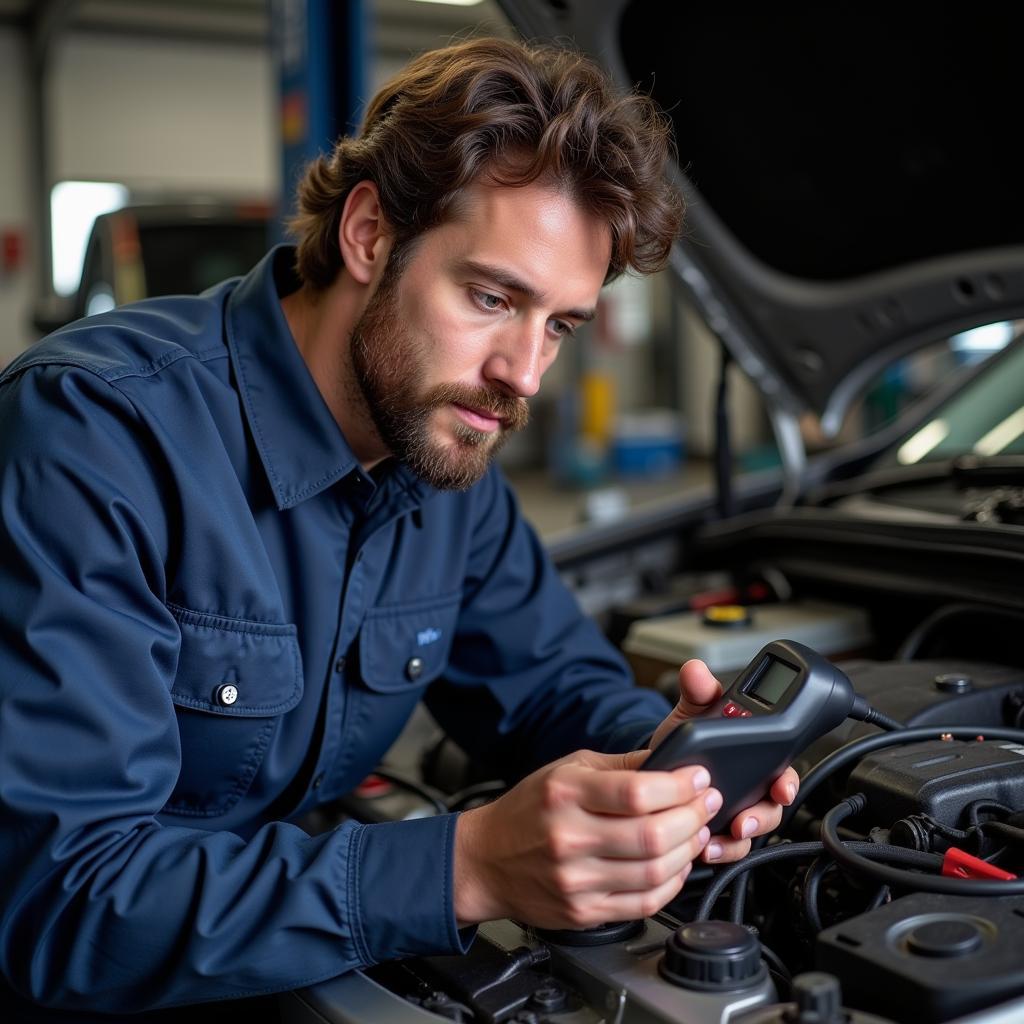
<point>514,113</point>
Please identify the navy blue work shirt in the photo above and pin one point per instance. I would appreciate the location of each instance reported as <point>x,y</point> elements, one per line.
<point>212,619</point>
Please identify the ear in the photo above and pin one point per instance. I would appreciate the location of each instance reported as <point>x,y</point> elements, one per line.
<point>363,234</point>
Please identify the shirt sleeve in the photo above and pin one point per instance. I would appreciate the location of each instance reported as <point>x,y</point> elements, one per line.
<point>531,678</point>
<point>103,906</point>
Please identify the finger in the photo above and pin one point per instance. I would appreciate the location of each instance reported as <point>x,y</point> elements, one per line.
<point>725,850</point>
<point>758,820</point>
<point>698,688</point>
<point>651,835</point>
<point>600,874</point>
<point>631,792</point>
<point>628,906</point>
<point>785,787</point>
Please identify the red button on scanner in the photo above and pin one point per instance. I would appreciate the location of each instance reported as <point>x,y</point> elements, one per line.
<point>732,710</point>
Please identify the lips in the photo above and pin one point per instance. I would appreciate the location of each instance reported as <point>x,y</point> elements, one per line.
<point>479,419</point>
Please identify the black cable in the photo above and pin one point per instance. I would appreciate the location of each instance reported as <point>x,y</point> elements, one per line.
<point>812,884</point>
<point>912,644</point>
<point>723,442</point>
<point>1013,834</point>
<point>878,899</point>
<point>778,968</point>
<point>838,759</point>
<point>851,857</point>
<point>493,788</point>
<point>862,711</point>
<point>791,851</point>
<point>424,792</point>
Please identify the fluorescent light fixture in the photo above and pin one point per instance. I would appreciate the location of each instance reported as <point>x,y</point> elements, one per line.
<point>930,436</point>
<point>1002,435</point>
<point>74,205</point>
<point>989,338</point>
<point>454,3</point>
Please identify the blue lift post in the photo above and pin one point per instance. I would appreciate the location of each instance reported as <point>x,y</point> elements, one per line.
<point>321,52</point>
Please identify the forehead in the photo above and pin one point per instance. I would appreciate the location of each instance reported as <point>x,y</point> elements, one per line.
<point>536,232</point>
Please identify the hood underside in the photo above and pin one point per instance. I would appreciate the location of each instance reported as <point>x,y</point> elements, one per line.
<point>851,184</point>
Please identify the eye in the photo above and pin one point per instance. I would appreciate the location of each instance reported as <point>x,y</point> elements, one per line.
<point>487,300</point>
<point>562,328</point>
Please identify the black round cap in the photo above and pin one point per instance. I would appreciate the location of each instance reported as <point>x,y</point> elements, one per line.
<point>600,935</point>
<point>818,999</point>
<point>955,937</point>
<point>712,956</point>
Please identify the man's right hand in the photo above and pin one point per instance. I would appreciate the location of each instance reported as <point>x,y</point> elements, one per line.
<point>584,840</point>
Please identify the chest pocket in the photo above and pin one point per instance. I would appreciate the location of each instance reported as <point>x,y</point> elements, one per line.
<point>404,647</point>
<point>235,680</point>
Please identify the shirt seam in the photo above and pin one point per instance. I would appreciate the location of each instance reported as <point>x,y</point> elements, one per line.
<point>354,861</point>
<point>112,375</point>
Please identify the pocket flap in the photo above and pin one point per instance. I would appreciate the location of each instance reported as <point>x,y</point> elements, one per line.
<point>402,647</point>
<point>259,660</point>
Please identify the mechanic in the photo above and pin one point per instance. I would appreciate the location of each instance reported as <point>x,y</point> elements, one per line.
<point>245,533</point>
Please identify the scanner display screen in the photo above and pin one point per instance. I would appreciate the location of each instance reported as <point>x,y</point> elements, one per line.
<point>772,682</point>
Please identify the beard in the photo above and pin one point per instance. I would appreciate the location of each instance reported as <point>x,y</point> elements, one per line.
<point>386,363</point>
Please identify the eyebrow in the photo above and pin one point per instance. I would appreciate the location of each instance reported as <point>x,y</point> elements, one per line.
<point>509,281</point>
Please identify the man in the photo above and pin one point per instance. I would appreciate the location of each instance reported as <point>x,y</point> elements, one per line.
<point>246,532</point>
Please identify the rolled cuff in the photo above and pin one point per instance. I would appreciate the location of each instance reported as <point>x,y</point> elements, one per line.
<point>401,876</point>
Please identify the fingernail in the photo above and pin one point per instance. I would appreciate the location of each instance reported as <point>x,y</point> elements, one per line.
<point>713,851</point>
<point>704,835</point>
<point>748,827</point>
<point>712,800</point>
<point>791,792</point>
<point>701,780</point>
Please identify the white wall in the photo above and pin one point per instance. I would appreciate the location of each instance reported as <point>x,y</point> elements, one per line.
<point>157,115</point>
<point>15,213</point>
<point>187,116</point>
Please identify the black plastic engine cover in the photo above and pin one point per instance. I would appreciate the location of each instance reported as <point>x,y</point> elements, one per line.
<point>926,958</point>
<point>939,778</point>
<point>916,693</point>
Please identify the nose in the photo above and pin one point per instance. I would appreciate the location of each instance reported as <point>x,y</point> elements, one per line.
<point>519,359</point>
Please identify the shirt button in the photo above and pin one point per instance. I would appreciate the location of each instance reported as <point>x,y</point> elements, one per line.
<point>339,665</point>
<point>318,781</point>
<point>227,694</point>
<point>414,668</point>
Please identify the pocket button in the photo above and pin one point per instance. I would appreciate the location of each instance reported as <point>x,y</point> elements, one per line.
<point>414,668</point>
<point>227,694</point>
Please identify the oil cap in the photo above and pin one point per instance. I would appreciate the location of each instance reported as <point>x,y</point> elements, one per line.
<point>712,956</point>
<point>727,616</point>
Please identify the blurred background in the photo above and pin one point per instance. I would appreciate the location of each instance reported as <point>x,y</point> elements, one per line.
<point>151,147</point>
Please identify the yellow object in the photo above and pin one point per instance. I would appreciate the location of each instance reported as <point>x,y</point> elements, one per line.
<point>727,615</point>
<point>597,406</point>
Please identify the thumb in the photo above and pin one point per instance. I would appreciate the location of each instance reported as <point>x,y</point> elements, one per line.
<point>698,689</point>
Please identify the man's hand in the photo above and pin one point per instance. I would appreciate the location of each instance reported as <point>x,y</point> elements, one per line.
<point>698,689</point>
<point>582,841</point>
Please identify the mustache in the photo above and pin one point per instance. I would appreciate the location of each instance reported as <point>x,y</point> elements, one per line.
<point>512,411</point>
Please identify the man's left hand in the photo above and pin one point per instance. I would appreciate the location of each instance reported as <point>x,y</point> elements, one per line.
<point>698,689</point>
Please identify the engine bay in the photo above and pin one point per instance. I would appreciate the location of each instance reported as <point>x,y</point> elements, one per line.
<point>888,894</point>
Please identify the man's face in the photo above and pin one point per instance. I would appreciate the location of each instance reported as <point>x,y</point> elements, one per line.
<point>446,354</point>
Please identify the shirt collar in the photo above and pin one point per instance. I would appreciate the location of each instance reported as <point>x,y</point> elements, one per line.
<point>300,444</point>
<point>299,441</point>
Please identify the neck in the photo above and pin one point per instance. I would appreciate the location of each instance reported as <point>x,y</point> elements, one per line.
<point>321,323</point>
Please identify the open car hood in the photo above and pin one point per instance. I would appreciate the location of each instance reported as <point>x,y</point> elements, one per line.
<point>852,188</point>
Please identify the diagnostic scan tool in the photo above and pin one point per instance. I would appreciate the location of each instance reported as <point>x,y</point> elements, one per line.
<point>784,700</point>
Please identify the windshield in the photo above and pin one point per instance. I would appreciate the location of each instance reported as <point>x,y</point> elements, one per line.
<point>986,418</point>
<point>185,258</point>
